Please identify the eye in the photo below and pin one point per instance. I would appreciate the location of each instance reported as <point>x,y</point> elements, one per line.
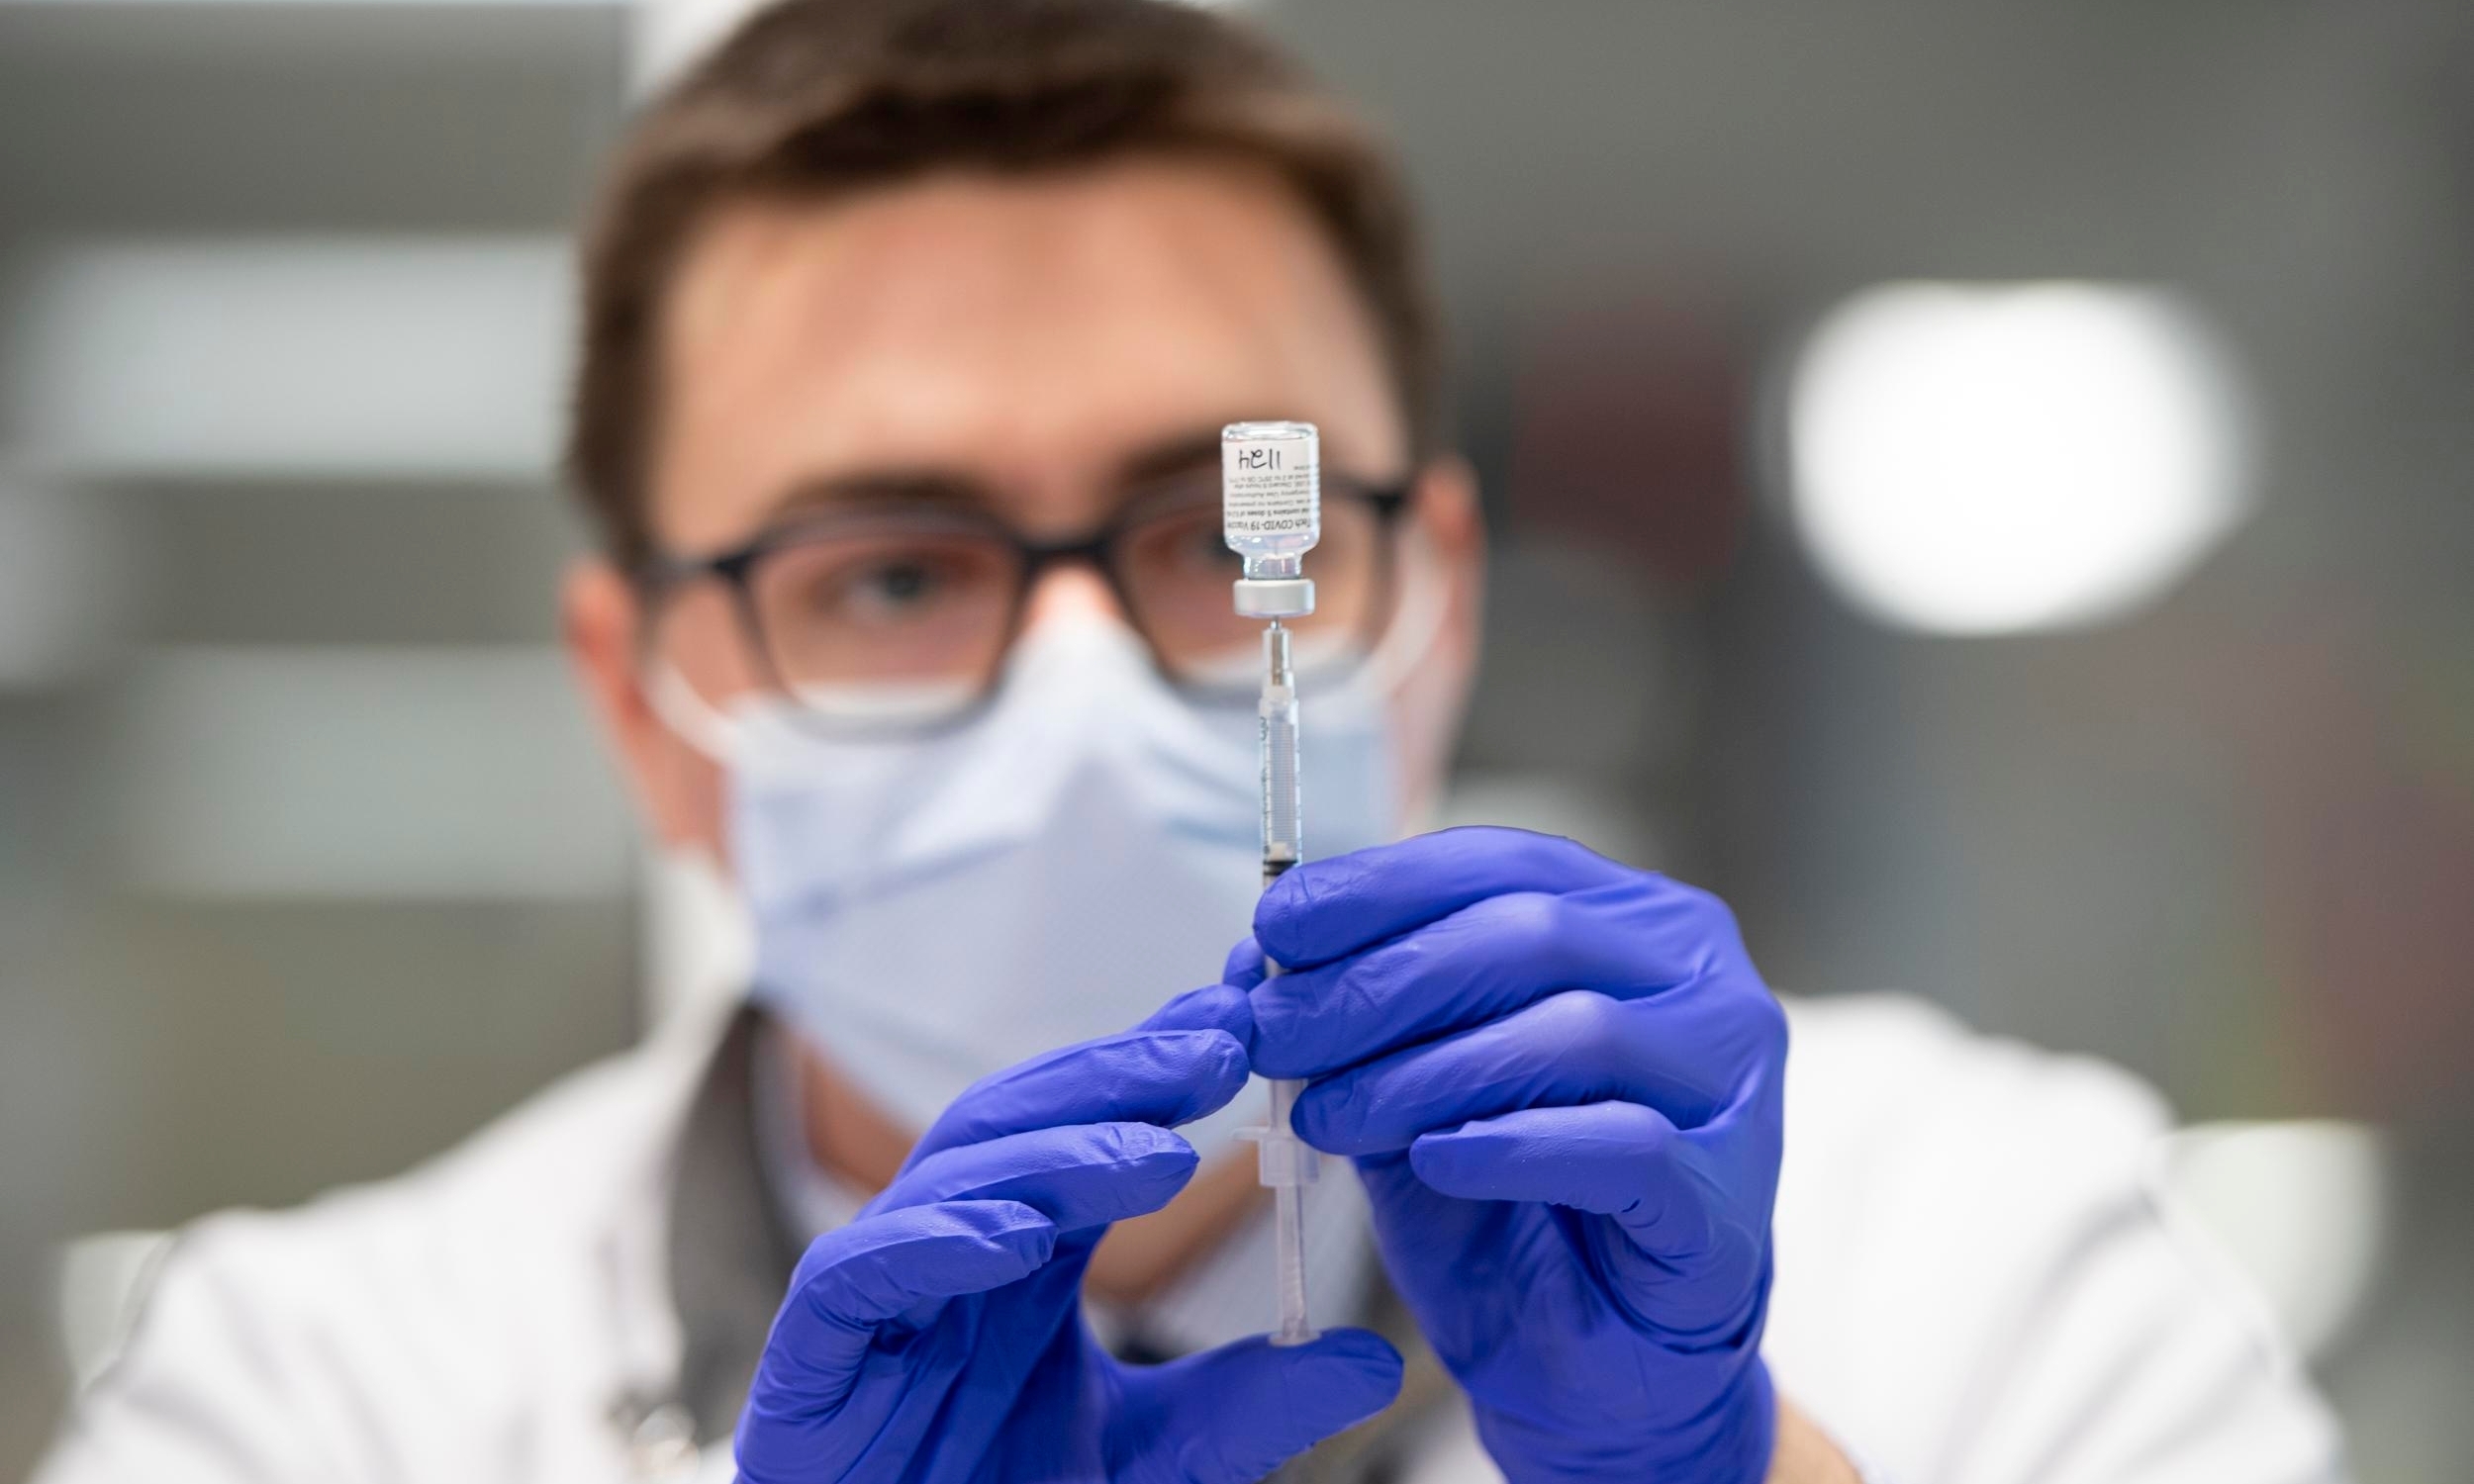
<point>894,582</point>
<point>844,607</point>
<point>875,581</point>
<point>895,587</point>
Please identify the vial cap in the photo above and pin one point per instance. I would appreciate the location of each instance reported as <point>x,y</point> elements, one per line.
<point>1274,597</point>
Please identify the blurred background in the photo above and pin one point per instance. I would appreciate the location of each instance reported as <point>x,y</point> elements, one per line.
<point>1985,488</point>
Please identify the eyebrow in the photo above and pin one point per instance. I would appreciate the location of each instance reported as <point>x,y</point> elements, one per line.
<point>881,488</point>
<point>1183,453</point>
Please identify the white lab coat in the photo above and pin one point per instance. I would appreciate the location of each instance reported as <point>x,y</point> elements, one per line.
<point>1976,1281</point>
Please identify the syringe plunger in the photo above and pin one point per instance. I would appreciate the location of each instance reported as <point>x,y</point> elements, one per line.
<point>1288,1163</point>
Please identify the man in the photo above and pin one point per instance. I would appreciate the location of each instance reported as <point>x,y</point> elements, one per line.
<point>910,328</point>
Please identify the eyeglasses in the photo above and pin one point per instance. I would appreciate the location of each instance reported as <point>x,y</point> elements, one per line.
<point>900,616</point>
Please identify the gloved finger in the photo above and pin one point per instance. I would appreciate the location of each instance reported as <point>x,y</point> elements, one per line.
<point>1325,909</point>
<point>1637,937</point>
<point>1682,1055</point>
<point>1214,1007</point>
<point>1246,967</point>
<point>1617,1159</point>
<point>1232,1415</point>
<point>1685,1243</point>
<point>1077,1176</point>
<point>1167,1077</point>
<point>857,1276</point>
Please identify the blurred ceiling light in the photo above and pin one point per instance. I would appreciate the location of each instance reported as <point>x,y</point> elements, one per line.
<point>1995,458</point>
<point>430,356</point>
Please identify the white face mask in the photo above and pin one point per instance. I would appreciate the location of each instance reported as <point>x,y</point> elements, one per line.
<point>932,910</point>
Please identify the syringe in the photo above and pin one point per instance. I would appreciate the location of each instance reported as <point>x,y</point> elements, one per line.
<point>1271,516</point>
<point>1285,1161</point>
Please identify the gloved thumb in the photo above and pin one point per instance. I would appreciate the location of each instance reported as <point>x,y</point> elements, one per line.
<point>1232,1415</point>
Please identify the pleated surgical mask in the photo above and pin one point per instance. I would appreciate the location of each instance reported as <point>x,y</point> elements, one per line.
<point>932,909</point>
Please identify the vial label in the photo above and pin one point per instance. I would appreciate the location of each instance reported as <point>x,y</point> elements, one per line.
<point>1268,488</point>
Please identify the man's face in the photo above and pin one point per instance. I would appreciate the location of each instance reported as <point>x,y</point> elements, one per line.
<point>1044,343</point>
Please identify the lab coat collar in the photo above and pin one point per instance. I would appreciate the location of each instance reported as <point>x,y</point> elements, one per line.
<point>730,1253</point>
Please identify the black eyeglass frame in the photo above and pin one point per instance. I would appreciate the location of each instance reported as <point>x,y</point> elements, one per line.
<point>662,574</point>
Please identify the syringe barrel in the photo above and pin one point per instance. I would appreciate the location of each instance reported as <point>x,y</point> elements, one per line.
<point>1284,837</point>
<point>1285,1160</point>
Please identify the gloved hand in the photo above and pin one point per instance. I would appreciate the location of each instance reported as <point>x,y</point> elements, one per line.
<point>1560,1080</point>
<point>939,1335</point>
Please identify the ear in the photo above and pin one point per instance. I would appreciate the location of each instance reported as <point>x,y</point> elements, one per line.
<point>1447,529</point>
<point>1447,513</point>
<point>678,788</point>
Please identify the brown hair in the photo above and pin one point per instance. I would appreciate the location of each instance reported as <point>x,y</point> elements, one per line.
<point>814,97</point>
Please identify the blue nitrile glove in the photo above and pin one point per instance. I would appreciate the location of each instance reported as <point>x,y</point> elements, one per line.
<point>939,1335</point>
<point>1560,1080</point>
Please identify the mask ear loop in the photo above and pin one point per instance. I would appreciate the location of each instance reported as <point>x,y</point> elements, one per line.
<point>690,718</point>
<point>702,938</point>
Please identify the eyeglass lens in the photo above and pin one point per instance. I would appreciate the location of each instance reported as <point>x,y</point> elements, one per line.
<point>847,614</point>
